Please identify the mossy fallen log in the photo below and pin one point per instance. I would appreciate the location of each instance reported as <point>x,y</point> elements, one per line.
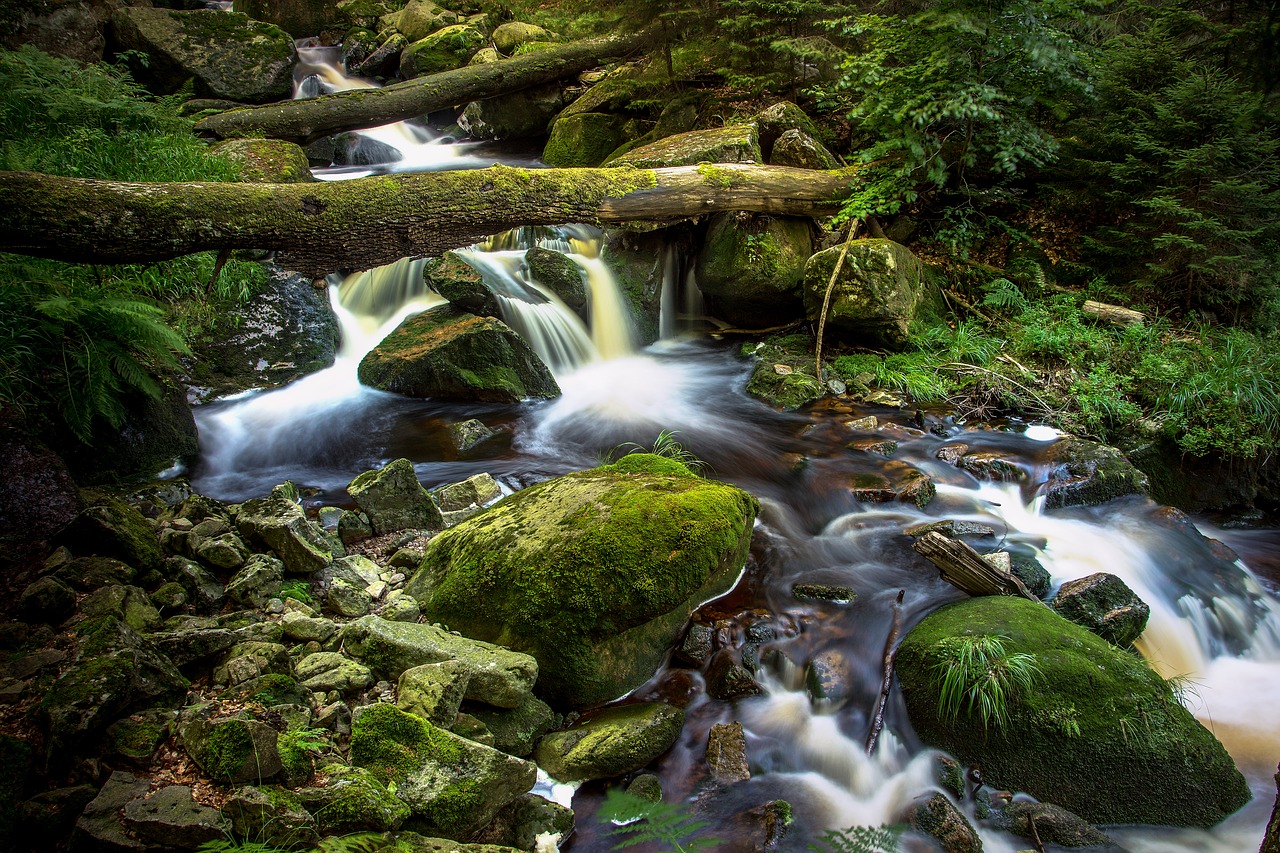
<point>351,225</point>
<point>308,120</point>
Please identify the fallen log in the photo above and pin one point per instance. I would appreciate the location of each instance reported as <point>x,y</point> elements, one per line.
<point>319,228</point>
<point>965,568</point>
<point>308,120</point>
<point>886,681</point>
<point>1113,314</point>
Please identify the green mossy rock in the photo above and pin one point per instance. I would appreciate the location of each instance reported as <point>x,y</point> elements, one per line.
<point>775,121</point>
<point>783,374</point>
<point>584,139</point>
<point>561,275</point>
<point>519,824</point>
<point>433,691</point>
<point>113,528</point>
<point>229,55</point>
<point>443,50</point>
<point>801,151</point>
<point>298,18</point>
<point>393,499</point>
<point>593,573</point>
<point>736,143</point>
<point>47,600</point>
<point>279,523</point>
<point>880,290</point>
<point>751,266</point>
<point>518,115</point>
<point>1101,735</point>
<point>937,817</point>
<point>273,816</point>
<point>636,261</point>
<point>612,743</point>
<point>1105,605</point>
<point>461,284</point>
<point>266,161</point>
<point>232,751</point>
<point>325,671</point>
<point>497,676</point>
<point>447,354</point>
<point>129,604</point>
<point>513,34</point>
<point>452,786</point>
<point>257,583</point>
<point>352,800</point>
<point>420,18</point>
<point>516,730</point>
<point>1086,472</point>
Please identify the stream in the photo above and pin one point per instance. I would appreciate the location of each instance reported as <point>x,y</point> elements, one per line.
<point>1211,620</point>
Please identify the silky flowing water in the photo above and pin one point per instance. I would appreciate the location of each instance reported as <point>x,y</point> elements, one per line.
<point>1212,622</point>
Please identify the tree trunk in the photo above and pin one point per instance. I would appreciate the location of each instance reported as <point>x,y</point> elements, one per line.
<point>965,568</point>
<point>309,120</point>
<point>1113,314</point>
<point>323,227</point>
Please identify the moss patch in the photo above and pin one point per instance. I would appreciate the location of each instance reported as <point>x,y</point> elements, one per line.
<point>391,744</point>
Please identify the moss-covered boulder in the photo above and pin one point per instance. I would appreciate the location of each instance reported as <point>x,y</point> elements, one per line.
<point>129,604</point>
<point>584,139</point>
<point>735,143</point>
<point>1100,734</point>
<point>637,261</point>
<point>461,284</point>
<point>783,373</point>
<point>393,499</point>
<point>513,34</point>
<point>1086,472</point>
<point>278,522</point>
<point>442,50</point>
<point>447,354</point>
<point>611,743</point>
<point>937,817</point>
<point>266,161</point>
<point>352,800</point>
<point>232,750</point>
<point>593,573</point>
<point>420,18</point>
<point>751,266</point>
<point>496,676</point>
<point>257,583</point>
<point>229,55</point>
<point>881,288</point>
<point>518,115</point>
<point>298,18</point>
<point>452,786</point>
<point>433,691</point>
<point>1105,605</point>
<point>557,272</point>
<point>516,730</point>
<point>775,121</point>
<point>113,528</point>
<point>272,815</point>
<point>801,151</point>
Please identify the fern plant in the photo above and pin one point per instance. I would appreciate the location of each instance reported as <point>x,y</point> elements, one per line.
<point>860,839</point>
<point>638,821</point>
<point>978,677</point>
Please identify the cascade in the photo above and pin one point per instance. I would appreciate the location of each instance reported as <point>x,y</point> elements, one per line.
<point>1211,620</point>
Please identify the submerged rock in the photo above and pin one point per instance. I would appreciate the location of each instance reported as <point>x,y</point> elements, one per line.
<point>593,573</point>
<point>937,817</point>
<point>1097,714</point>
<point>1053,825</point>
<point>446,354</point>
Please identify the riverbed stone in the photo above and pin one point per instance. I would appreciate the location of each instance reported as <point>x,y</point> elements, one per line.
<point>1086,472</point>
<point>470,434</point>
<point>305,629</point>
<point>461,284</point>
<point>171,818</point>
<point>584,140</point>
<point>257,583</point>
<point>278,522</point>
<point>299,18</point>
<point>349,602</point>
<point>517,115</point>
<point>511,35</point>
<point>272,815</point>
<point>727,753</point>
<point>420,18</point>
<point>1053,825</point>
<point>557,272</point>
<point>266,161</point>
<point>393,499</point>
<point>498,676</point>
<point>516,730</point>
<point>611,743</point>
<point>447,354</point>
<point>751,266</point>
<point>879,291</point>
<point>252,659</point>
<point>593,573</point>
<point>735,143</point>
<point>937,817</point>
<point>1101,713</point>
<point>520,823</point>
<point>452,785</point>
<point>229,55</point>
<point>1103,604</point>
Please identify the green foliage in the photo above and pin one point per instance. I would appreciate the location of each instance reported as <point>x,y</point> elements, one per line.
<point>775,45</point>
<point>298,590</point>
<point>860,839</point>
<point>361,842</point>
<point>640,821</point>
<point>1004,295</point>
<point>977,677</point>
<point>666,446</point>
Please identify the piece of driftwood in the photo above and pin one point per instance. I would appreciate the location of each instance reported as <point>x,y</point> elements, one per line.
<point>886,683</point>
<point>1113,314</point>
<point>965,568</point>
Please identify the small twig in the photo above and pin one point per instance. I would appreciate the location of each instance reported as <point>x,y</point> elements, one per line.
<point>826,299</point>
<point>890,650</point>
<point>965,366</point>
<point>1035,834</point>
<point>967,305</point>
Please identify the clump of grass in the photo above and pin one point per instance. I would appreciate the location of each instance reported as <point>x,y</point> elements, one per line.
<point>978,677</point>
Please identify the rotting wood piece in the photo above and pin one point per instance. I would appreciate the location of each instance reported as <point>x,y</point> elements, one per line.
<point>359,224</point>
<point>1113,314</point>
<point>965,569</point>
<point>305,121</point>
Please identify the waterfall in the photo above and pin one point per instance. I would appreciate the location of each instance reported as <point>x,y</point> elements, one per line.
<point>681,300</point>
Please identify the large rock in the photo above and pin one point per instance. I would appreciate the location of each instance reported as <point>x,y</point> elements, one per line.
<point>751,266</point>
<point>584,139</point>
<point>267,161</point>
<point>593,573</point>
<point>937,817</point>
<point>612,743</point>
<point>450,355</point>
<point>558,273</point>
<point>461,284</point>
<point>518,115</point>
<point>421,18</point>
<point>1097,714</point>
<point>279,522</point>
<point>451,784</point>
<point>353,800</point>
<point>735,143</point>
<point>273,816</point>
<point>511,35</point>
<point>1086,472</point>
<point>281,334</point>
<point>879,291</point>
<point>170,818</point>
<point>229,55</point>
<point>516,730</point>
<point>298,18</point>
<point>393,499</point>
<point>113,528</point>
<point>39,497</point>
<point>801,151</point>
<point>442,50</point>
<point>115,671</point>
<point>496,676</point>
<point>99,827</point>
<point>232,751</point>
<point>72,28</point>
<point>1105,605</point>
<point>776,121</point>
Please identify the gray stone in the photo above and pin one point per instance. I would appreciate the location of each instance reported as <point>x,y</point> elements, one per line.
<point>227,552</point>
<point>172,819</point>
<point>253,659</point>
<point>798,149</point>
<point>516,730</point>
<point>475,491</point>
<point>517,115</point>
<point>1105,605</point>
<point>879,291</point>
<point>346,600</point>
<point>1053,825</point>
<point>433,691</point>
<point>469,434</point>
<point>129,604</point>
<point>257,583</point>
<point>393,499</point>
<point>499,676</point>
<point>611,743</point>
<point>304,629</point>
<point>558,273</point>
<point>99,828</point>
<point>937,817</point>
<point>402,609</point>
<point>738,143</point>
<point>325,671</point>
<point>232,751</point>
<point>47,600</point>
<point>278,522</point>
<point>356,570</point>
<point>520,823</point>
<point>1086,472</point>
<point>204,592</point>
<point>828,678</point>
<point>727,753</point>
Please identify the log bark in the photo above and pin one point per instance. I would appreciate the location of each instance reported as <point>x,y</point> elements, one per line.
<point>1113,314</point>
<point>308,120</point>
<point>964,568</point>
<point>322,227</point>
